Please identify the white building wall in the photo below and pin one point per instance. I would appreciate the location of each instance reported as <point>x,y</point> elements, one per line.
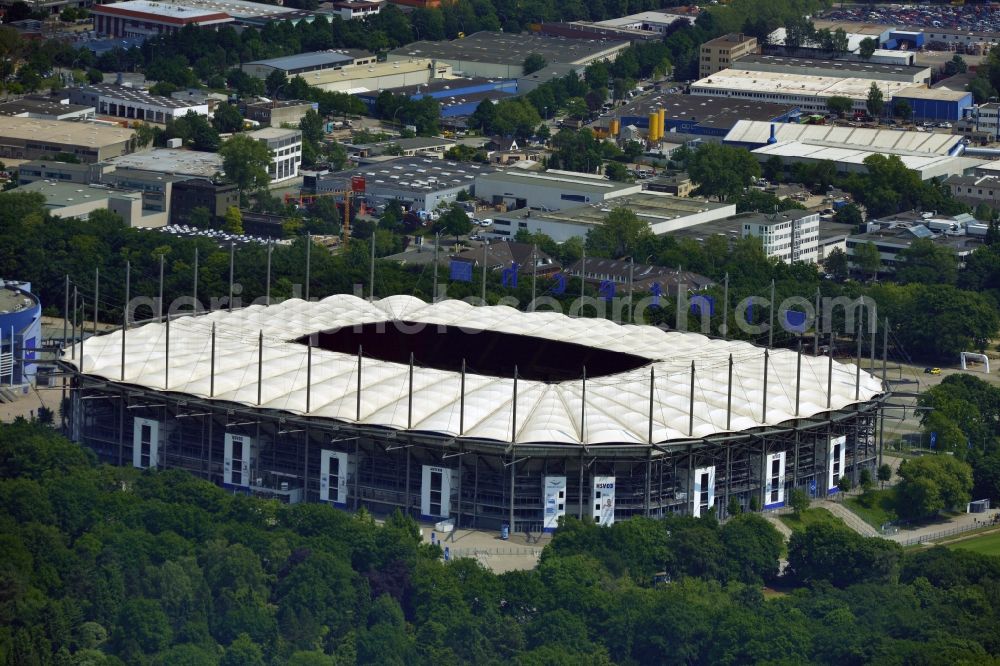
<point>777,238</point>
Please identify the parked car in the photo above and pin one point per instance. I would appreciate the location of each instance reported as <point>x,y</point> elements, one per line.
<point>932,371</point>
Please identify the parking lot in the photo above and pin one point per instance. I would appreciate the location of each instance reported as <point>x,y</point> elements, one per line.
<point>969,18</point>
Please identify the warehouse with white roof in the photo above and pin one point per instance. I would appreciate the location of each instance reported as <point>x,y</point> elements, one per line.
<point>483,416</point>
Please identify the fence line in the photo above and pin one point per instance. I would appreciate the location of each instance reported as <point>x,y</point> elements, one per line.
<point>511,550</point>
<point>940,535</point>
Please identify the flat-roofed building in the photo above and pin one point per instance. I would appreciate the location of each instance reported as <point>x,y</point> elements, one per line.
<point>278,112</point>
<point>501,55</point>
<point>663,212</point>
<point>28,139</point>
<point>420,183</point>
<point>940,104</point>
<point>143,18</point>
<point>172,161</point>
<point>699,115</point>
<point>356,9</point>
<point>286,151</point>
<point>300,64</point>
<point>549,190</point>
<point>809,93</point>
<point>720,53</point>
<point>44,108</point>
<point>792,235</point>
<point>71,200</point>
<point>835,68</point>
<point>134,104</point>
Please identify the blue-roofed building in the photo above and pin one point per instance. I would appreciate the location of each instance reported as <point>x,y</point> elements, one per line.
<point>701,115</point>
<point>938,104</point>
<point>101,46</point>
<point>457,97</point>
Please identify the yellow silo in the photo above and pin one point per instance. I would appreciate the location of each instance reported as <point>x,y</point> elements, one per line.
<point>654,126</point>
<point>616,127</point>
<point>662,113</point>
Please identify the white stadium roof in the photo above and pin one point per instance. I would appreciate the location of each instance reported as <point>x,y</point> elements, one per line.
<point>617,405</point>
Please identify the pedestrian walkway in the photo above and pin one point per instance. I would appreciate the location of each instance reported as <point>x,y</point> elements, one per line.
<point>850,518</point>
<point>779,525</point>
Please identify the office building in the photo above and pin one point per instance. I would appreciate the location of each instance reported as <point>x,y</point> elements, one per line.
<point>549,190</point>
<point>720,53</point>
<point>134,104</point>
<point>286,151</point>
<point>790,236</point>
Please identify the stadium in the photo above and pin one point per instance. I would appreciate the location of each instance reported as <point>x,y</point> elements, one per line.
<point>487,416</point>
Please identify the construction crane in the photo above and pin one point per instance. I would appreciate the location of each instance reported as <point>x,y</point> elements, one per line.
<point>305,199</point>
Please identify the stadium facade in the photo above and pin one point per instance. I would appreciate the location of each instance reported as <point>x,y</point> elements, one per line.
<point>483,415</point>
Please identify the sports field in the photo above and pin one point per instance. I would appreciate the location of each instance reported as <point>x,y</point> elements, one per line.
<point>987,544</point>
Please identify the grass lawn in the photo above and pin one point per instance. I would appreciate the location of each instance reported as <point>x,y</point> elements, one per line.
<point>808,517</point>
<point>987,544</point>
<point>876,509</point>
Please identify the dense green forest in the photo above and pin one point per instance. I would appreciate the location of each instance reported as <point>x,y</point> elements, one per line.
<point>107,565</point>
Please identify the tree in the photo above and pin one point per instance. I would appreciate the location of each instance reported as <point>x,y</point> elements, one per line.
<point>932,483</point>
<point>454,222</point>
<point>902,109</point>
<point>622,234</point>
<point>985,213</point>
<point>868,47</point>
<point>722,171</point>
<point>616,171</point>
<point>275,82</point>
<point>734,508</point>
<point>840,105</point>
<point>927,262</point>
<point>533,63</point>
<point>839,555</point>
<point>849,214</point>
<point>753,547</point>
<point>245,161</point>
<point>865,480</point>
<point>233,221</point>
<point>95,75</point>
<point>227,119</point>
<point>200,218</point>
<point>867,259</point>
<point>956,65</point>
<point>836,264</point>
<point>798,499</point>
<point>799,31</point>
<point>884,473</point>
<point>844,484</point>
<point>875,102</point>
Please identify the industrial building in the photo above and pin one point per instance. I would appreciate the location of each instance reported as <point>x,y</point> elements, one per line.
<point>172,161</point>
<point>478,415</point>
<point>301,64</point>
<point>937,104</point>
<point>134,104</point>
<point>929,154</point>
<point>363,75</point>
<point>64,172</point>
<point>420,183</point>
<point>496,55</point>
<point>720,53</point>
<point>27,138</point>
<point>72,200</point>
<point>20,333</point>
<point>809,93</point>
<point>834,68</point>
<point>456,96</point>
<point>215,197</point>
<point>549,190</point>
<point>961,235</point>
<point>44,108</point>
<point>145,18</point>
<point>663,212</point>
<point>275,113</point>
<point>699,115</point>
<point>652,21</point>
<point>286,151</point>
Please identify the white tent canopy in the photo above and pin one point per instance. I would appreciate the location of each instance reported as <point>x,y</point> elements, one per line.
<point>617,405</point>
